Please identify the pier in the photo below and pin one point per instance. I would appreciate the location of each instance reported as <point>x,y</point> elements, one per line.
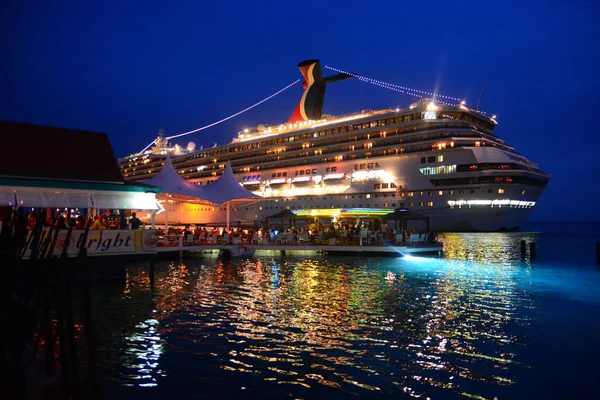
<point>178,244</point>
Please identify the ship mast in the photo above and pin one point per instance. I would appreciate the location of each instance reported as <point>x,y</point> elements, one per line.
<point>161,141</point>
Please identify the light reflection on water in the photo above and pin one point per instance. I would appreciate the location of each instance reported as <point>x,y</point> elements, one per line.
<point>312,326</point>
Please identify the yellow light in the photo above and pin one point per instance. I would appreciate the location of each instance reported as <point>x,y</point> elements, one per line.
<point>431,106</point>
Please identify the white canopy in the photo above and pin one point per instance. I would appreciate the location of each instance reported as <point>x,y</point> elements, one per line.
<point>226,189</point>
<point>175,185</point>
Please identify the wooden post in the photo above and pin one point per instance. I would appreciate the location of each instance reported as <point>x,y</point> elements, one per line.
<point>226,255</point>
<point>90,340</point>
<point>60,281</point>
<point>228,211</point>
<point>151,272</point>
<point>532,251</point>
<point>523,248</point>
<point>69,281</point>
<point>47,324</point>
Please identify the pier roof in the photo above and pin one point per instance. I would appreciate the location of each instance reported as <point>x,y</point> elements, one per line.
<point>44,166</point>
<point>46,152</point>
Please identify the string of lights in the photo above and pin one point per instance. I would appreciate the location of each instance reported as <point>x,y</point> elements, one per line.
<point>227,118</point>
<point>406,90</point>
<point>237,113</point>
<point>396,88</point>
<point>383,85</point>
<point>146,148</point>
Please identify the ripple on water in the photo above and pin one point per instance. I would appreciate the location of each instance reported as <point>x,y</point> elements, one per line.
<point>337,326</point>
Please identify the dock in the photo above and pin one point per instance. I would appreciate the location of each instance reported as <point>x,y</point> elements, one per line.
<point>127,242</point>
<point>434,249</point>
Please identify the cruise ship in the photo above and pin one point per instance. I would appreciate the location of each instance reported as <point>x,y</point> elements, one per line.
<point>441,160</point>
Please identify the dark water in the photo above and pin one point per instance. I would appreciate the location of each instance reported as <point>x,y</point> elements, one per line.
<point>483,322</point>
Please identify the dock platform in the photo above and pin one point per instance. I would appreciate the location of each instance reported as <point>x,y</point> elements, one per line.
<point>373,250</point>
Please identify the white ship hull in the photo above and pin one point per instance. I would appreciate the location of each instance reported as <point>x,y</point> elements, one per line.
<point>462,220</point>
<point>470,207</point>
<point>441,161</point>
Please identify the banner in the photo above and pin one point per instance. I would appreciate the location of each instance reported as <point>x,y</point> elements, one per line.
<point>98,242</point>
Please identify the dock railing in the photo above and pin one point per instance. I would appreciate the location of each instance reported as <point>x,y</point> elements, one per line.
<point>189,241</point>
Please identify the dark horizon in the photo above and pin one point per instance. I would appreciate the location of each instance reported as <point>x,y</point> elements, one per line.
<point>130,70</point>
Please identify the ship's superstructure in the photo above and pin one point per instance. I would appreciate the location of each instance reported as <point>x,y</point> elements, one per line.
<point>444,161</point>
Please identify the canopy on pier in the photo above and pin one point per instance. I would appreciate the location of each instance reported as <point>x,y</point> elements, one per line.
<point>226,189</point>
<point>282,217</point>
<point>403,215</point>
<point>174,186</point>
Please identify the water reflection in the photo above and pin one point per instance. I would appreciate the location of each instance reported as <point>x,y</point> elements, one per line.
<point>427,328</point>
<point>489,248</point>
<point>142,351</point>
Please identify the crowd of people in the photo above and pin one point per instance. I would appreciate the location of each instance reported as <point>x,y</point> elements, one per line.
<point>103,220</point>
<point>316,233</point>
<point>343,233</point>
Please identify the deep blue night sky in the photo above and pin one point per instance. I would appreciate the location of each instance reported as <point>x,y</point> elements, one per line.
<point>130,68</point>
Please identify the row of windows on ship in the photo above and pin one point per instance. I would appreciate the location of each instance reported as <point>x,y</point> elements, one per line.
<point>313,171</point>
<point>417,147</point>
<point>436,170</point>
<point>367,196</point>
<point>451,204</point>
<point>326,132</point>
<point>302,172</point>
<point>342,129</point>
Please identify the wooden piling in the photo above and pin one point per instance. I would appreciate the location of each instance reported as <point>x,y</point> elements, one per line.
<point>523,248</point>
<point>532,251</point>
<point>151,272</point>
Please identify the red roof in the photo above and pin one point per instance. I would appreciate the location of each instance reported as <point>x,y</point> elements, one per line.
<point>44,152</point>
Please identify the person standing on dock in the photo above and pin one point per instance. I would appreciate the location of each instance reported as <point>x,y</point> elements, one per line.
<point>99,223</point>
<point>134,221</point>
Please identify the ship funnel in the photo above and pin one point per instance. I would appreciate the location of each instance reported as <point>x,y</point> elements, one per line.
<point>310,106</point>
